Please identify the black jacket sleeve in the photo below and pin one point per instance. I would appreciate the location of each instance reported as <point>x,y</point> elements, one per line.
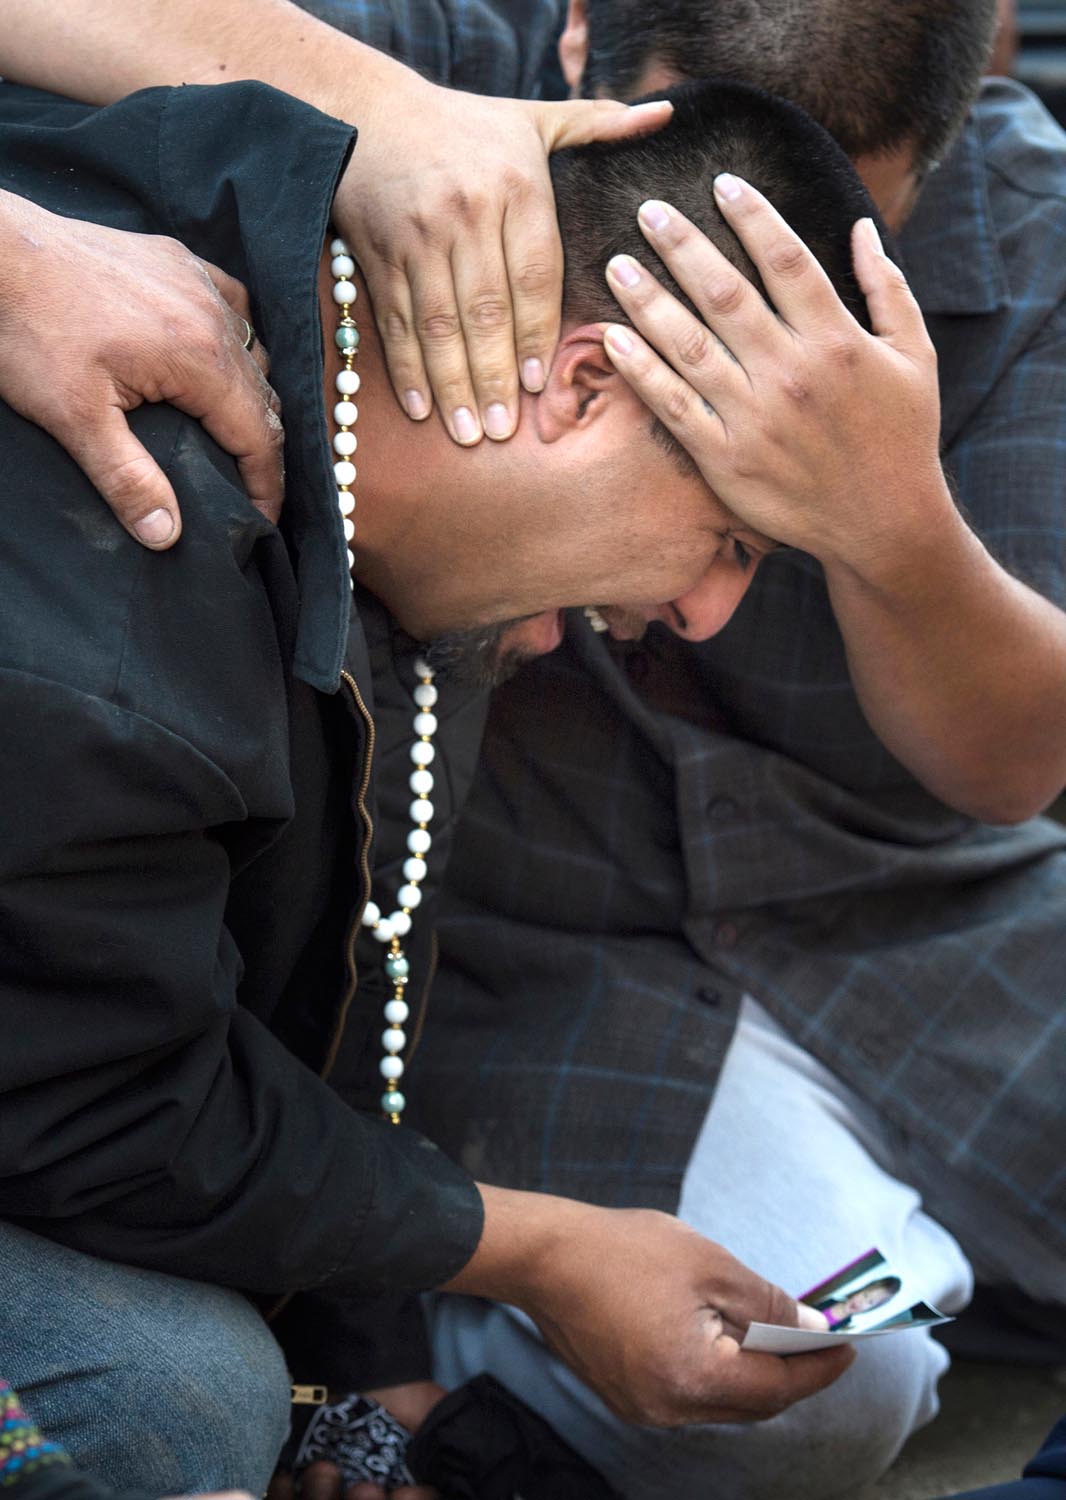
<point>145,1115</point>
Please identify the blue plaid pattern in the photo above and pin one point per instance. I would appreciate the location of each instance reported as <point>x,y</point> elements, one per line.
<point>655,830</point>
<point>487,48</point>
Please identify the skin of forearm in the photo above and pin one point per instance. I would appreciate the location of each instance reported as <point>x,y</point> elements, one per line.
<point>521,1232</point>
<point>959,667</point>
<point>102,52</point>
<point>20,222</point>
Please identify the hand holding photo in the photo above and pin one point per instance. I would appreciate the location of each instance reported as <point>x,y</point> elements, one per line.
<point>862,1300</point>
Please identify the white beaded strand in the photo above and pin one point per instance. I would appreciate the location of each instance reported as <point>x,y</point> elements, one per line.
<point>390,930</point>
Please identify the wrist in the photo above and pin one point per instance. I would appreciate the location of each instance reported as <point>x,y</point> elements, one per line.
<point>522,1235</point>
<point>25,227</point>
<point>906,539</point>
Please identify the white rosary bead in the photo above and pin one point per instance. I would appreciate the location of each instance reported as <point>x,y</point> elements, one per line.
<point>351,564</point>
<point>391,929</point>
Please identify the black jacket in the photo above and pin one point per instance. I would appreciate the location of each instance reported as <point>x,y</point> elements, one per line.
<point>184,763</point>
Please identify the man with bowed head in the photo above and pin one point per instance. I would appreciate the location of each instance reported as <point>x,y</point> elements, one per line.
<point>767,947</point>
<point>179,926</point>
<point>462,253</point>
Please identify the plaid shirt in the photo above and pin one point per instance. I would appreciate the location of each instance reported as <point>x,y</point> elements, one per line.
<point>655,830</point>
<point>485,46</point>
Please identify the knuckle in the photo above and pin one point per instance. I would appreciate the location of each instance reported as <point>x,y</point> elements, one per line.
<point>514,185</point>
<point>467,206</point>
<point>787,258</point>
<point>843,351</point>
<point>797,388</point>
<point>677,404</point>
<point>488,312</point>
<point>693,346</point>
<point>723,293</point>
<point>441,327</point>
<point>126,483</point>
<point>395,328</point>
<point>535,278</point>
<point>275,430</point>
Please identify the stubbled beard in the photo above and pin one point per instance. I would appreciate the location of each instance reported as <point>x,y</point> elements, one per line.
<point>473,658</point>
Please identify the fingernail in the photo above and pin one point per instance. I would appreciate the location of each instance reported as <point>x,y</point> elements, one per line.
<point>498,422</point>
<point>811,1319</point>
<point>728,187</point>
<point>416,406</point>
<point>655,215</point>
<point>533,375</point>
<point>624,270</point>
<point>869,228</point>
<point>464,425</point>
<point>619,340</point>
<point>155,528</point>
<point>653,107</point>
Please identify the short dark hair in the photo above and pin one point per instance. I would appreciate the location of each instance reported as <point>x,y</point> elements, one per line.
<point>716,127</point>
<point>878,74</point>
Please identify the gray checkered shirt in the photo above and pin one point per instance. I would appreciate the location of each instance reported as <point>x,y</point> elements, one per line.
<point>656,830</point>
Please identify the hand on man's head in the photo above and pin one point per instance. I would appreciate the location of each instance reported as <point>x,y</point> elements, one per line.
<point>782,406</point>
<point>95,321</point>
<point>447,204</point>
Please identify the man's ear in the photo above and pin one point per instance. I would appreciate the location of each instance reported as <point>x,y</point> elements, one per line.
<point>574,45</point>
<point>579,385</point>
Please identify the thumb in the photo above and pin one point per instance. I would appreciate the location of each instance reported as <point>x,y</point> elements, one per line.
<point>576,122</point>
<point>764,1302</point>
<point>894,314</point>
<point>128,478</point>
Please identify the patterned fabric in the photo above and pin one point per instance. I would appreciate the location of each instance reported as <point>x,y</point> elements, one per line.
<point>657,829</point>
<point>361,1438</point>
<point>487,48</point>
<point>23,1451</point>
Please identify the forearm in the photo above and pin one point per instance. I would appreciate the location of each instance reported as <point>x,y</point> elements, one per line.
<point>960,668</point>
<point>521,1231</point>
<point>23,228</point>
<point>109,49</point>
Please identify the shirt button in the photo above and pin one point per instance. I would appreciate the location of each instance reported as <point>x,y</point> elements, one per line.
<point>637,666</point>
<point>721,808</point>
<point>725,935</point>
<point>708,995</point>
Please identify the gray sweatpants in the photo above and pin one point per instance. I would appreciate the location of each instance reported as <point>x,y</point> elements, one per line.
<point>792,1174</point>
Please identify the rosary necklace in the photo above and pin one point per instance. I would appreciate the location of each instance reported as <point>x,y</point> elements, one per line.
<point>390,931</point>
